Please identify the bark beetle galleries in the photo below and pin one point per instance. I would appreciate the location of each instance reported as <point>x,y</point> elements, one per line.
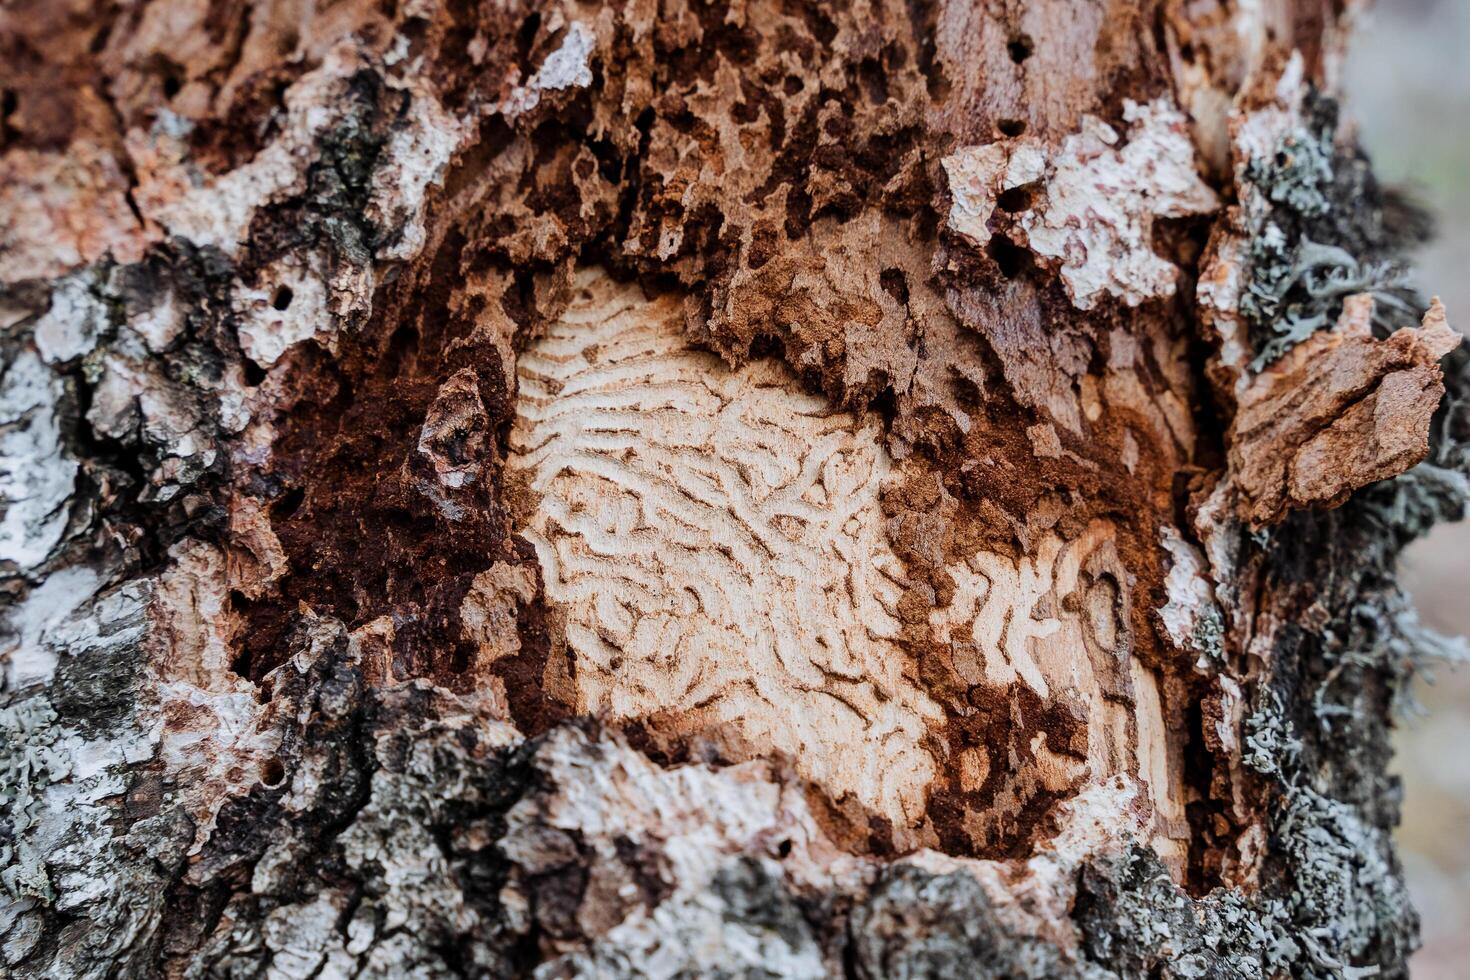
<point>718,544</point>
<point>873,489</point>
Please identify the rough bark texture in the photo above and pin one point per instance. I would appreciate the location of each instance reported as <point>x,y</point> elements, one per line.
<point>875,489</point>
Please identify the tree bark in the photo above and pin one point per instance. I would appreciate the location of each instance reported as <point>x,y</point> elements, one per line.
<point>693,489</point>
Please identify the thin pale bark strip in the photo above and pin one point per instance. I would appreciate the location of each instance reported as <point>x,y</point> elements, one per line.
<point>667,489</point>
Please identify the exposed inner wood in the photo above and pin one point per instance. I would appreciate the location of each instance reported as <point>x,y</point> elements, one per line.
<point>717,542</point>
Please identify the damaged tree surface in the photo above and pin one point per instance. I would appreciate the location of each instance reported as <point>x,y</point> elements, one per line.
<point>675,489</point>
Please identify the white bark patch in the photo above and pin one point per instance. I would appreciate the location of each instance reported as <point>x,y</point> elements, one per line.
<point>44,624</point>
<point>415,159</point>
<point>717,540</point>
<point>692,823</point>
<point>60,780</point>
<point>614,812</point>
<point>1095,218</point>
<point>70,327</point>
<point>302,937</point>
<point>36,472</point>
<point>305,296</point>
<point>291,307</point>
<point>1102,201</point>
<point>135,399</point>
<point>218,210</point>
<point>1189,591</point>
<point>160,324</point>
<point>978,174</point>
<point>703,928</point>
<point>569,66</point>
<point>699,816</point>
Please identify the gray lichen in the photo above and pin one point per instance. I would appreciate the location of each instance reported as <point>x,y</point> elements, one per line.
<point>1316,736</point>
<point>919,925</point>
<point>1297,289</point>
<point>1306,258</point>
<point>1208,638</point>
<point>1323,919</point>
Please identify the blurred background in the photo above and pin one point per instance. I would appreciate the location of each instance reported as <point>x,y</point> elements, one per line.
<point>1409,90</point>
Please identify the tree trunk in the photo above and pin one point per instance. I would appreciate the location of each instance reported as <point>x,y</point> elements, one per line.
<point>878,489</point>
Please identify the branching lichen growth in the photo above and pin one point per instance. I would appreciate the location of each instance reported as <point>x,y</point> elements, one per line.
<point>1347,639</point>
<point>1317,734</point>
<point>1270,745</point>
<point>1304,259</point>
<point>1208,639</point>
<point>1297,291</point>
<point>1322,917</point>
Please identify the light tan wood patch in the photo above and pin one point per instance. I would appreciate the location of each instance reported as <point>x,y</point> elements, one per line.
<point>715,540</point>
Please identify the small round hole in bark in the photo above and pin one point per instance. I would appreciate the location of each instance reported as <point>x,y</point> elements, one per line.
<point>1015,200</point>
<point>282,298</point>
<point>895,284</point>
<point>171,86</point>
<point>1011,127</point>
<point>288,503</point>
<point>254,373</point>
<point>272,772</point>
<point>1020,47</point>
<point>1011,259</point>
